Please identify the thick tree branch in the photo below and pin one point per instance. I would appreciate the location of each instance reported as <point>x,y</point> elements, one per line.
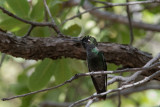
<point>29,31</point>
<point>54,47</point>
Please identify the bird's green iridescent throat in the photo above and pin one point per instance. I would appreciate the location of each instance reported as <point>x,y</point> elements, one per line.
<point>95,50</point>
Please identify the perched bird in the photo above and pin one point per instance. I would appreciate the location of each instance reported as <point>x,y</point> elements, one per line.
<point>96,62</point>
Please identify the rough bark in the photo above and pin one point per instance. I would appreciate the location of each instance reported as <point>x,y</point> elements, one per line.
<point>55,47</point>
<point>37,48</point>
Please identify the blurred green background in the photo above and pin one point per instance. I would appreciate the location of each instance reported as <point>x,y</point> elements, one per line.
<point>19,76</point>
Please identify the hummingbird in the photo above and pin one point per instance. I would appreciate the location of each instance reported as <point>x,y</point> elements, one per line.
<point>96,62</point>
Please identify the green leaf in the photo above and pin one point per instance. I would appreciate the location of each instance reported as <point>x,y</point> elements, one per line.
<point>73,30</point>
<point>65,14</point>
<point>19,7</point>
<point>42,74</point>
<point>55,7</point>
<point>82,2</point>
<point>37,12</point>
<point>27,101</point>
<point>23,30</point>
<point>2,3</point>
<point>78,66</point>
<point>62,72</point>
<point>50,95</point>
<point>3,17</point>
<point>11,24</point>
<point>41,32</point>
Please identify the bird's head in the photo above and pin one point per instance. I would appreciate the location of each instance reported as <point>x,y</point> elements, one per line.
<point>89,41</point>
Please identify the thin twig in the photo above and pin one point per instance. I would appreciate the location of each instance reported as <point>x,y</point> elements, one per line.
<point>119,93</point>
<point>90,102</point>
<point>46,15</point>
<point>47,89</point>
<point>26,21</point>
<point>79,14</point>
<point>2,59</point>
<point>119,99</point>
<point>108,5</point>
<point>110,76</point>
<point>128,3</point>
<point>29,31</point>
<point>123,92</point>
<point>55,27</point>
<point>84,74</point>
<point>118,89</point>
<point>130,24</point>
<point>117,78</point>
<point>135,89</point>
<point>135,75</point>
<point>147,7</point>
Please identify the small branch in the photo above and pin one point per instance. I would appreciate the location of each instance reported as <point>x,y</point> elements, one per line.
<point>106,15</point>
<point>147,7</point>
<point>128,3</point>
<point>135,75</point>
<point>2,59</point>
<point>55,27</point>
<point>90,102</point>
<point>108,5</point>
<point>25,21</point>
<point>119,93</point>
<point>130,24</point>
<point>116,78</point>
<point>45,15</point>
<point>118,89</point>
<point>110,76</point>
<point>47,89</point>
<point>126,80</point>
<point>29,31</point>
<point>79,14</point>
<point>134,90</point>
<point>119,99</point>
<point>81,75</point>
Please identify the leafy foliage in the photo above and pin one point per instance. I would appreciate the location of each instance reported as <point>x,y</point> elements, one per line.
<point>49,72</point>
